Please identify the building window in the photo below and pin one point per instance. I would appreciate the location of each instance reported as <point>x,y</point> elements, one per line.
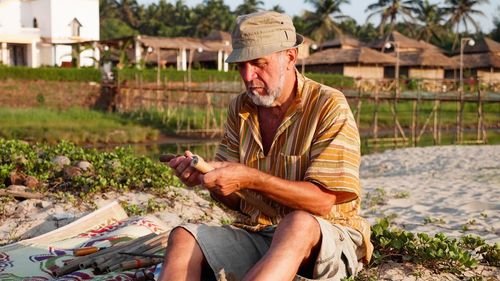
<point>75,27</point>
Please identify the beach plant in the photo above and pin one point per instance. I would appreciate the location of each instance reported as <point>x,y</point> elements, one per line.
<point>434,220</point>
<point>132,209</point>
<point>377,197</point>
<point>116,170</point>
<point>154,206</point>
<point>438,253</point>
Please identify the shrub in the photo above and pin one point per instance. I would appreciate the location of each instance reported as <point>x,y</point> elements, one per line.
<point>50,74</point>
<point>438,252</point>
<point>118,170</point>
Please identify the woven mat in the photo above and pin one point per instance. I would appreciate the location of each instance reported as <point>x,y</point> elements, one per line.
<point>36,258</point>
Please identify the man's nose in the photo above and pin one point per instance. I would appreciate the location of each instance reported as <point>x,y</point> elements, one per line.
<point>247,72</point>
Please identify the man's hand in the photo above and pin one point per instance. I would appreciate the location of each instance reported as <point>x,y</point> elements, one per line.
<point>227,178</point>
<point>183,170</point>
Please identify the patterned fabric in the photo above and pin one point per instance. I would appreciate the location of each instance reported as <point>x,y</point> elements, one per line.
<point>36,259</point>
<point>317,141</point>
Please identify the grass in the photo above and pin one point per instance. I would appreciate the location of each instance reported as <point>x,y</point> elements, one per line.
<point>447,113</point>
<point>75,125</point>
<point>179,118</point>
<point>50,73</point>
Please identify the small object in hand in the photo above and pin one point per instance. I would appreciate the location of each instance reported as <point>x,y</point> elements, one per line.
<point>199,164</point>
<point>167,157</point>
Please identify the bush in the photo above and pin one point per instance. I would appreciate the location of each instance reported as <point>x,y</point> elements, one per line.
<point>438,252</point>
<point>198,75</point>
<point>118,170</point>
<point>50,74</point>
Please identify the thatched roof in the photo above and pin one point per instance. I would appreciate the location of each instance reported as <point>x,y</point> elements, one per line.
<point>342,41</point>
<point>479,60</point>
<point>361,55</point>
<point>170,43</point>
<point>218,35</point>
<point>429,46</point>
<point>403,41</point>
<point>484,45</point>
<point>176,43</point>
<point>429,58</point>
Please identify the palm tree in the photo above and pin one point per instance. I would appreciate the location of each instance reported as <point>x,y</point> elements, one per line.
<point>495,33</point>
<point>248,7</point>
<point>184,19</point>
<point>389,10</point>
<point>130,11</point>
<point>431,18</point>
<point>278,8</point>
<point>213,15</point>
<point>462,11</point>
<point>321,23</point>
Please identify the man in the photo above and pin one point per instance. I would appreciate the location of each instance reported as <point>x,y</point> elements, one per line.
<point>291,143</point>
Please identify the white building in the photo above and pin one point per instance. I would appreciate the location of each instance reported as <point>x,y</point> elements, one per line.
<point>45,32</point>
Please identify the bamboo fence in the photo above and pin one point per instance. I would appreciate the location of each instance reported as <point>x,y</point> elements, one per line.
<point>213,98</point>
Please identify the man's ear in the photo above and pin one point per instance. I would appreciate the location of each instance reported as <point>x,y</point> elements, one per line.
<point>291,55</point>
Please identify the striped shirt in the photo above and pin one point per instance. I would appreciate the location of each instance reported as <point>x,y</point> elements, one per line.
<point>317,141</point>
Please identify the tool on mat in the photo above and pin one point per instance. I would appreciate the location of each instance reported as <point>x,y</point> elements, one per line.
<point>101,245</point>
<point>203,167</point>
<point>86,251</point>
<point>141,255</point>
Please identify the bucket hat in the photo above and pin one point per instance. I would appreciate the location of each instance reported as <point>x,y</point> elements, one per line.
<point>261,34</point>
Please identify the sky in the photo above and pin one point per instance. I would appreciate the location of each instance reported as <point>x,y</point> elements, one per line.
<point>356,9</point>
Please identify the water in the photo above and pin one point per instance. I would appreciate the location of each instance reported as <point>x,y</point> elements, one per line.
<point>206,147</point>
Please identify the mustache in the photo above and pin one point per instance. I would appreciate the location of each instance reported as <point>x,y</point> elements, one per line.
<point>255,84</point>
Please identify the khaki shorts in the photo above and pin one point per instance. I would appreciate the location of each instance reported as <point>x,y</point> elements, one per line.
<point>235,251</point>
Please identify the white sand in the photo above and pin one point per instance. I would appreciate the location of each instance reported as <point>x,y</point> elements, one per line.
<point>444,188</point>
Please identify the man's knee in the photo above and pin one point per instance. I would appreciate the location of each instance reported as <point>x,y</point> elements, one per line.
<point>179,236</point>
<point>301,224</point>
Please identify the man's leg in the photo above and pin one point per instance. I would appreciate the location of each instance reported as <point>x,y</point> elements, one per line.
<point>296,243</point>
<point>184,259</point>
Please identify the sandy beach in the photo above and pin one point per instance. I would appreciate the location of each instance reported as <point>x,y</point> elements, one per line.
<point>450,189</point>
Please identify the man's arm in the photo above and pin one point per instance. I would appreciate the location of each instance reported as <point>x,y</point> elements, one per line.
<point>191,177</point>
<point>230,177</point>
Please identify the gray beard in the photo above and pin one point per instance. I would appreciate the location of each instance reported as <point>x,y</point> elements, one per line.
<point>272,94</point>
<point>265,101</point>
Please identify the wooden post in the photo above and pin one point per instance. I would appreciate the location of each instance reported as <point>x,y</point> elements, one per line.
<point>358,107</point>
<point>436,128</point>
<point>395,118</point>
<point>460,117</point>
<point>417,115</point>
<point>414,123</point>
<point>480,137</point>
<point>375,117</point>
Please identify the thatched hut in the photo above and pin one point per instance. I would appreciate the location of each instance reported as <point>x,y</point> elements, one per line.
<point>179,52</point>
<point>481,60</point>
<point>341,42</point>
<point>363,62</point>
<point>417,59</point>
<point>426,64</point>
<point>306,47</point>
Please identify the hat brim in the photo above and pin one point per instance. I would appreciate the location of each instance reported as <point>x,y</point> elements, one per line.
<point>251,53</point>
